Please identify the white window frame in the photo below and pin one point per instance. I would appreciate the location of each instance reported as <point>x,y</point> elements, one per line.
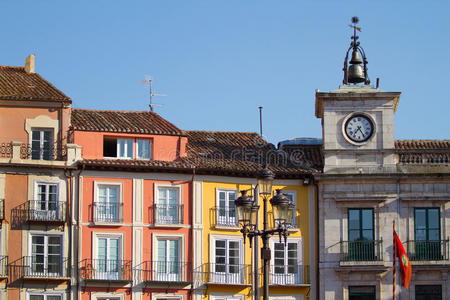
<point>226,218</point>
<point>126,153</point>
<point>286,297</point>
<point>181,251</point>
<point>226,277</point>
<point>171,296</point>
<point>137,156</point>
<point>102,295</point>
<point>45,234</point>
<point>46,214</point>
<point>98,235</point>
<point>285,278</point>
<point>97,185</point>
<point>41,293</point>
<point>41,131</point>
<point>179,212</point>
<point>226,296</point>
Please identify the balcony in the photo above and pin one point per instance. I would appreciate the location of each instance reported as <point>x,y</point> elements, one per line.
<point>3,266</point>
<point>362,251</point>
<point>168,214</point>
<point>289,275</point>
<point>428,250</point>
<point>225,274</point>
<point>107,212</point>
<point>42,267</point>
<point>106,270</point>
<point>47,152</point>
<point>45,211</point>
<point>165,272</point>
<point>224,217</point>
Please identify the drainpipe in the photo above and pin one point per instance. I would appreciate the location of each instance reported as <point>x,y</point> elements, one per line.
<point>316,186</point>
<point>192,231</point>
<point>69,192</point>
<point>78,230</point>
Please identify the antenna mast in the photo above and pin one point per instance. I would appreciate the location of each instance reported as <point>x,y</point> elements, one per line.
<point>260,120</point>
<point>148,81</point>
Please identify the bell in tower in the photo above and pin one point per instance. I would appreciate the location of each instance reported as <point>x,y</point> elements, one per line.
<point>355,73</point>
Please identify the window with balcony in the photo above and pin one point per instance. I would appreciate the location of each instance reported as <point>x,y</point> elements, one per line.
<point>361,293</point>
<point>168,207</point>
<point>44,296</point>
<point>427,232</point>
<point>126,148</point>
<point>45,257</point>
<point>46,206</point>
<point>227,267</point>
<point>428,292</point>
<point>107,205</point>
<point>168,266</point>
<point>108,258</point>
<point>42,144</point>
<point>287,268</point>
<point>226,210</point>
<point>361,244</point>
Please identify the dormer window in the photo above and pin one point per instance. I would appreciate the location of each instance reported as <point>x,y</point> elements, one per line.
<point>126,148</point>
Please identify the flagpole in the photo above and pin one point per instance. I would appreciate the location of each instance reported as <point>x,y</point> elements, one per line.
<point>393,259</point>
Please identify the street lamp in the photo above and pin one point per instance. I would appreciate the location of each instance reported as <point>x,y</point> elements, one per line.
<point>248,209</point>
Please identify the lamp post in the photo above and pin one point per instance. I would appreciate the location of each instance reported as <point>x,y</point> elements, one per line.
<point>248,209</point>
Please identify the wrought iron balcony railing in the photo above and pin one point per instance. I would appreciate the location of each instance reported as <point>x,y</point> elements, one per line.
<point>106,270</point>
<point>165,271</point>
<point>107,212</point>
<point>46,211</point>
<point>428,250</point>
<point>229,274</point>
<point>168,213</point>
<point>289,275</point>
<point>49,152</point>
<point>3,266</point>
<point>224,217</point>
<point>43,266</point>
<point>362,250</point>
<point>5,150</point>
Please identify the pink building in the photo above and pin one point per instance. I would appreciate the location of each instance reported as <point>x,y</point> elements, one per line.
<point>133,213</point>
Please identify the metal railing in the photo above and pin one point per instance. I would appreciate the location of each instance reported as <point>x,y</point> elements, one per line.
<point>229,274</point>
<point>46,211</point>
<point>168,213</point>
<point>106,269</point>
<point>2,209</point>
<point>225,217</point>
<point>428,250</point>
<point>44,266</point>
<point>5,150</point>
<point>107,212</point>
<point>3,266</point>
<point>289,275</point>
<point>363,250</point>
<point>54,151</point>
<point>165,271</point>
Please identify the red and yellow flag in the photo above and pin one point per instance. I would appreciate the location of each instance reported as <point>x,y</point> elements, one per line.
<point>405,264</point>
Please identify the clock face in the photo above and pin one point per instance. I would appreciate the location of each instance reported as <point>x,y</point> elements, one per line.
<point>359,128</point>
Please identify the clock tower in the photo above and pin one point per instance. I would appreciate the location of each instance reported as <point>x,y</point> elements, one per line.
<point>357,120</point>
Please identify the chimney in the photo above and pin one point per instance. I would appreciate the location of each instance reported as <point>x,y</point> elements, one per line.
<point>29,64</point>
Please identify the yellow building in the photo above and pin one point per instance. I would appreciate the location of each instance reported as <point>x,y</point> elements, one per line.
<point>226,266</point>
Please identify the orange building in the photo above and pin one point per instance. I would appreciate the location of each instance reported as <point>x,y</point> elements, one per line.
<point>133,214</point>
<point>36,165</point>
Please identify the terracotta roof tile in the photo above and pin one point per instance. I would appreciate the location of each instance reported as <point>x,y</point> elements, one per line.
<point>423,151</point>
<point>137,122</point>
<point>136,164</point>
<point>16,84</point>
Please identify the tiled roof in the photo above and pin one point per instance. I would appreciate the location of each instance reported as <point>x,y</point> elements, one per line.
<point>423,151</point>
<point>308,155</point>
<point>137,122</point>
<point>136,164</point>
<point>16,84</point>
<point>243,153</point>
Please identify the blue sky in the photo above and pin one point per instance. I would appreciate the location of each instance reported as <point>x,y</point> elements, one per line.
<point>217,61</point>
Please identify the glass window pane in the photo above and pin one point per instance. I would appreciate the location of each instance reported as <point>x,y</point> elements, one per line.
<point>367,219</point>
<point>353,219</point>
<point>433,218</point>
<point>420,219</point>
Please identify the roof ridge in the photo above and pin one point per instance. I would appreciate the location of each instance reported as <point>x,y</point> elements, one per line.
<point>427,140</point>
<point>107,110</point>
<point>226,131</point>
<point>5,66</point>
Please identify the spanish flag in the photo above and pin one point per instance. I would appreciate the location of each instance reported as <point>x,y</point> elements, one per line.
<point>405,264</point>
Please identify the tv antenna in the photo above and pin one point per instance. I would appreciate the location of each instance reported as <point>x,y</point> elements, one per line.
<point>148,82</point>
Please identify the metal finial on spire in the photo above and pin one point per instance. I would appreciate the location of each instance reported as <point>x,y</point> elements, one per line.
<point>355,73</point>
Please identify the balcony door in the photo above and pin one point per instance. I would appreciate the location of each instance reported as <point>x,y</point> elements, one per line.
<point>108,258</point>
<point>46,258</point>
<point>107,206</point>
<point>286,264</point>
<point>226,210</point>
<point>427,232</point>
<point>42,144</point>
<point>361,245</point>
<point>227,267</point>
<point>168,264</point>
<point>45,207</point>
<point>168,206</point>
